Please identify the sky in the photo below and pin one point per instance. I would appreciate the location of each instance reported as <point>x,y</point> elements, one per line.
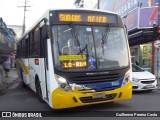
<point>12,14</point>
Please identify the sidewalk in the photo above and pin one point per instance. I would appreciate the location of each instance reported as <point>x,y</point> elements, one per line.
<point>6,82</point>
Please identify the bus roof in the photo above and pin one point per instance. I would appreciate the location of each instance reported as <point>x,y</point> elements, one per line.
<point>84,9</point>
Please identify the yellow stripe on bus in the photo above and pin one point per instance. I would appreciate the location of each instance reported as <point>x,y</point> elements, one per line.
<point>25,68</point>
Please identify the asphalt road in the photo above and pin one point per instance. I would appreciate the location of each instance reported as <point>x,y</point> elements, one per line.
<point>21,99</point>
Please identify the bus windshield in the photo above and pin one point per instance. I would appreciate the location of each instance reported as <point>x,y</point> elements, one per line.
<point>89,48</point>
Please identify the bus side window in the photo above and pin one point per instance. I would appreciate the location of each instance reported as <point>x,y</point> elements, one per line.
<point>41,44</point>
<point>34,49</point>
<point>26,48</point>
<point>36,42</point>
<point>31,44</point>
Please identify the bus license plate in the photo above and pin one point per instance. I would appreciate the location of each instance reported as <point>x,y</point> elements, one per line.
<point>99,95</point>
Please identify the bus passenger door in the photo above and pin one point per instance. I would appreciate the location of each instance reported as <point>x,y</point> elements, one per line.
<point>44,63</point>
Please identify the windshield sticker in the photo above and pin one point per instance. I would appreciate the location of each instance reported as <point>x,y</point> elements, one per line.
<point>96,30</point>
<point>92,63</point>
<point>72,57</point>
<point>88,29</point>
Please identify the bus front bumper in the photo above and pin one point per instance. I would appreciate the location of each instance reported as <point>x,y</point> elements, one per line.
<point>62,99</point>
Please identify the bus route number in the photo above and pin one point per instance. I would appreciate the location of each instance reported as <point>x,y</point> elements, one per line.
<point>74,64</point>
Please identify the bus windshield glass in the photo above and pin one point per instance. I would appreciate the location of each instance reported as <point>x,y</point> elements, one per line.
<point>89,48</point>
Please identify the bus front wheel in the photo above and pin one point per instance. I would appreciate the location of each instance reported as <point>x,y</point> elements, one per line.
<point>39,92</point>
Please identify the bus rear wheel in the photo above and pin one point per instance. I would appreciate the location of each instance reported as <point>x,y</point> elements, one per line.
<point>39,92</point>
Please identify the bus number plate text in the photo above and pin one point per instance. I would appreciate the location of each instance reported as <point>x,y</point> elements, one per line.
<point>99,95</point>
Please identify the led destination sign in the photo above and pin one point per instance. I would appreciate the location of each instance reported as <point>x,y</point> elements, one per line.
<point>85,17</point>
<point>74,64</point>
<point>73,61</point>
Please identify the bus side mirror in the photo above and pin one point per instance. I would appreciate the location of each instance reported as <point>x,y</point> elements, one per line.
<point>45,34</point>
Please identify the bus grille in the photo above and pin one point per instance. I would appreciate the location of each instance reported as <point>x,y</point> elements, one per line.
<point>148,82</point>
<point>90,79</point>
<point>90,99</point>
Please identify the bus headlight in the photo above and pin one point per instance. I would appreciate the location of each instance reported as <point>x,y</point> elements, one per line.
<point>126,78</point>
<point>62,83</point>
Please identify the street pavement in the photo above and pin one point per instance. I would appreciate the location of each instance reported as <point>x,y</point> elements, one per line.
<point>24,100</point>
<point>8,82</point>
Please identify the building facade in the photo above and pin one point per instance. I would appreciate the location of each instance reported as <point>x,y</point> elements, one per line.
<point>17,29</point>
<point>139,16</point>
<point>7,41</point>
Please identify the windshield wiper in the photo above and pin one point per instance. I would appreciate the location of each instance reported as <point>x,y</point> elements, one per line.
<point>76,40</point>
<point>105,37</point>
<point>84,49</point>
<point>104,40</point>
<point>58,37</point>
<point>73,31</point>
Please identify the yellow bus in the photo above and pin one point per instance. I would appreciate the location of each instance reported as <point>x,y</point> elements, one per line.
<point>75,57</point>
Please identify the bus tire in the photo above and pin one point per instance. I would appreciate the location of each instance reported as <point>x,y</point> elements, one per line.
<point>39,91</point>
<point>23,84</point>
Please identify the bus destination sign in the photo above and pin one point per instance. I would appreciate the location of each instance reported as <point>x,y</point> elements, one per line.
<point>73,61</point>
<point>85,17</point>
<point>74,64</point>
